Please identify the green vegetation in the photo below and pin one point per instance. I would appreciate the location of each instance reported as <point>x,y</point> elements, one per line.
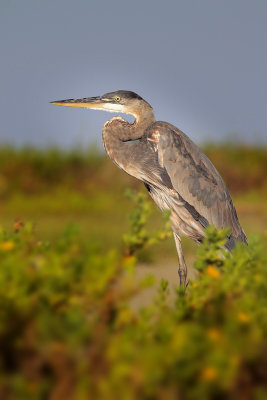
<point>139,238</point>
<point>241,166</point>
<point>70,324</point>
<point>68,329</point>
<point>54,188</point>
<point>31,170</point>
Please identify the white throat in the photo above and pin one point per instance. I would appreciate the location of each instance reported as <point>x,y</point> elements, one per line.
<point>111,107</point>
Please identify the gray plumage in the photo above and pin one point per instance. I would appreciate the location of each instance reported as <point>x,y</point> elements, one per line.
<point>177,174</point>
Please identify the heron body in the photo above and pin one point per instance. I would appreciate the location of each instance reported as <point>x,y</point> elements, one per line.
<point>176,173</point>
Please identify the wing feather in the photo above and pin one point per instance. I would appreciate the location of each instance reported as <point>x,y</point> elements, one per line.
<point>195,178</point>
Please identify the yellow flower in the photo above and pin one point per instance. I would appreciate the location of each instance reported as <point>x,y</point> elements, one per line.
<point>244,318</point>
<point>209,374</point>
<point>129,261</point>
<point>7,245</point>
<point>214,334</point>
<point>213,272</point>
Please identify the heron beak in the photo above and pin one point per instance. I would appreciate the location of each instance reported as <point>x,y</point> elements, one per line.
<point>88,102</point>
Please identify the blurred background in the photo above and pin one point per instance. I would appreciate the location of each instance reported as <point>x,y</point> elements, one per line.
<point>201,65</point>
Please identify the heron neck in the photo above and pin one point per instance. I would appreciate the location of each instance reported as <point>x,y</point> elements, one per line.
<point>143,119</point>
<point>119,138</point>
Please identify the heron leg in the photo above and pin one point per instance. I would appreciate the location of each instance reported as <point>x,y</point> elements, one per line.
<point>182,269</point>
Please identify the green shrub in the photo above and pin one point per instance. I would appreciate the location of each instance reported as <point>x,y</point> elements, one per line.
<point>35,171</point>
<point>68,329</point>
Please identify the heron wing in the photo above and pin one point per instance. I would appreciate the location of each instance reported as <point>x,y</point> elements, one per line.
<point>194,177</point>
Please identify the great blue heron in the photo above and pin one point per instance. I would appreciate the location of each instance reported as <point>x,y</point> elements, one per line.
<point>178,176</point>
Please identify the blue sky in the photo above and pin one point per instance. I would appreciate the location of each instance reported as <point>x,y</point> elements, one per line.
<point>201,65</point>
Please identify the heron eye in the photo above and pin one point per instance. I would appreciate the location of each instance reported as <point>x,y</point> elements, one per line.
<point>117,98</point>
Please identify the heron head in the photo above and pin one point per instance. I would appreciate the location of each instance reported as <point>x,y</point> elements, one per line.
<point>122,101</point>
